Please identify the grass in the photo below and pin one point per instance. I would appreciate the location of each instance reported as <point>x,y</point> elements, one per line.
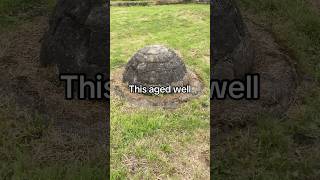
<point>132,0</point>
<point>13,12</point>
<point>167,143</point>
<point>11,7</point>
<point>296,25</point>
<point>30,146</point>
<point>157,143</point>
<point>288,147</point>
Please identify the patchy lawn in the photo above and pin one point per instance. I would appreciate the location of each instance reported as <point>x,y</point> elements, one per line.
<point>32,146</point>
<point>157,143</point>
<point>286,147</point>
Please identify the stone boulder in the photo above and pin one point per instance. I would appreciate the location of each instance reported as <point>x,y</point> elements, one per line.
<point>155,65</point>
<point>77,38</point>
<point>232,50</point>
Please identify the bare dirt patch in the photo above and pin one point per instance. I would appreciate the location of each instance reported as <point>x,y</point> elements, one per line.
<point>315,4</point>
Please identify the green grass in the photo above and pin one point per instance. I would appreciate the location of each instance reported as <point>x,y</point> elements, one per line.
<point>296,26</point>
<point>31,148</point>
<point>13,12</point>
<point>286,148</point>
<point>153,143</point>
<point>14,6</point>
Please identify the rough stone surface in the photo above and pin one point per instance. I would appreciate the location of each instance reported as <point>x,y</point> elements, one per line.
<point>154,65</point>
<point>232,50</point>
<point>77,38</point>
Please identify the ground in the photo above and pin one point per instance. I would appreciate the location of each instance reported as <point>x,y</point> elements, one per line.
<point>153,142</point>
<point>284,146</point>
<point>42,135</point>
<point>267,147</point>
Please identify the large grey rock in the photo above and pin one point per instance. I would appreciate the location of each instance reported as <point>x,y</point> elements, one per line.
<point>232,50</point>
<point>77,39</point>
<point>155,65</point>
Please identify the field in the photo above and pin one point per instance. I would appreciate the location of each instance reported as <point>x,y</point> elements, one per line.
<point>31,146</point>
<point>161,143</point>
<point>158,143</point>
<point>287,147</point>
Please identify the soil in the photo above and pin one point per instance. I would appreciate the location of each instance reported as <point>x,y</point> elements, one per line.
<point>37,90</point>
<point>315,4</point>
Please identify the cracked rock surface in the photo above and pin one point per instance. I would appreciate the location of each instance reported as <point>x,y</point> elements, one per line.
<point>155,65</point>
<point>77,38</point>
